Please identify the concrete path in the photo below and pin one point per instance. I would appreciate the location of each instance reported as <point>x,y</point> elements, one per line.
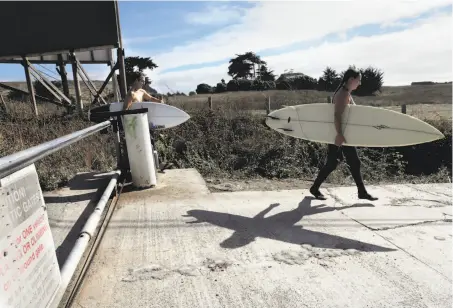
<point>178,245</point>
<point>69,208</point>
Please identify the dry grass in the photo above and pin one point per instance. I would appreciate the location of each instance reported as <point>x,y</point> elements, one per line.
<point>232,141</point>
<point>21,130</point>
<point>439,94</point>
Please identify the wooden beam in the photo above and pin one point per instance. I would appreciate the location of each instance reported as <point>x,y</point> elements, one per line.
<point>96,93</point>
<point>55,89</point>
<point>39,78</point>
<point>2,85</point>
<point>5,107</point>
<point>63,75</point>
<point>30,86</point>
<point>79,104</point>
<point>123,85</point>
<point>112,71</point>
<point>116,89</point>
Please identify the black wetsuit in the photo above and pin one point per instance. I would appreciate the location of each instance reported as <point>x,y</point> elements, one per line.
<point>336,154</point>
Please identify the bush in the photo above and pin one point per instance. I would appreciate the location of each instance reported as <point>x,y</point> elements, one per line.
<point>283,84</point>
<point>221,143</point>
<point>226,143</point>
<point>260,85</point>
<point>244,84</point>
<point>221,87</point>
<point>192,93</point>
<point>17,96</point>
<point>42,90</point>
<point>304,83</point>
<point>232,85</point>
<point>329,80</point>
<point>204,88</point>
<point>372,81</point>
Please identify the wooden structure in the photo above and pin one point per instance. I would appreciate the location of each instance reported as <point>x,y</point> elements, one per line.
<point>63,33</point>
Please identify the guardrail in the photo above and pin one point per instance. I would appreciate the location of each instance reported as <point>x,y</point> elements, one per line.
<point>20,160</point>
<point>14,162</point>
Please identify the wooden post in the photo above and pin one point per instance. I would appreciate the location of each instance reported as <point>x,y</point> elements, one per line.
<point>123,85</point>
<point>84,75</point>
<point>4,104</point>
<point>31,90</point>
<point>115,82</point>
<point>63,75</point>
<point>79,103</point>
<point>268,105</point>
<point>403,108</point>
<point>50,86</point>
<point>210,102</point>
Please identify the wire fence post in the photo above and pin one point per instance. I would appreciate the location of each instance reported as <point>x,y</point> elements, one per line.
<point>267,104</point>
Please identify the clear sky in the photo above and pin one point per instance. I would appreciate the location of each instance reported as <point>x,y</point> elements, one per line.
<point>192,42</point>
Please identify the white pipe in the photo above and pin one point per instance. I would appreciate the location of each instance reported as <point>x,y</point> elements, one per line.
<point>139,150</point>
<point>86,234</point>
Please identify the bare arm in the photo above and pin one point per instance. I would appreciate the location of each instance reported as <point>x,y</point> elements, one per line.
<point>341,100</point>
<point>150,97</point>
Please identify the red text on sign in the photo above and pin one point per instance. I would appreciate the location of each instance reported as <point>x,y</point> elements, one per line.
<point>27,232</point>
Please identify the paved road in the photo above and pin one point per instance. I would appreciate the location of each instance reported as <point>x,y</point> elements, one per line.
<point>180,246</point>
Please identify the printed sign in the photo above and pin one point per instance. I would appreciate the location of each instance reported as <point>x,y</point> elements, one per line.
<point>29,271</point>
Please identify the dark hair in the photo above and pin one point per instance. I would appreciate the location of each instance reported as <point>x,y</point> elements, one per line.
<point>351,72</point>
<point>140,79</point>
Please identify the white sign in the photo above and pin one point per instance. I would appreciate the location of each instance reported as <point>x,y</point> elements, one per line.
<point>29,271</point>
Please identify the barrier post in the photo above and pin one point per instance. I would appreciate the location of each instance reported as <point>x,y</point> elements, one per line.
<point>139,149</point>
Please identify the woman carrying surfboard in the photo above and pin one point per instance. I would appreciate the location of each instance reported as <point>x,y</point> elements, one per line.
<point>336,152</point>
<point>137,94</point>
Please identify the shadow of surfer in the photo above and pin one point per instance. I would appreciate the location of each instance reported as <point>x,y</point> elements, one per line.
<point>281,227</point>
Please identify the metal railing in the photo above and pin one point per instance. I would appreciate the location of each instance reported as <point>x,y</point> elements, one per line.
<point>17,161</point>
<point>14,162</point>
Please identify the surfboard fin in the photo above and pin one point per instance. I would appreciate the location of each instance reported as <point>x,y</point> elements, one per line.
<point>272,117</point>
<point>286,129</point>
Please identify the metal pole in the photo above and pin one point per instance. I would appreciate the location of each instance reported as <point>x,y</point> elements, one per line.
<point>116,130</point>
<point>14,162</point>
<point>85,235</point>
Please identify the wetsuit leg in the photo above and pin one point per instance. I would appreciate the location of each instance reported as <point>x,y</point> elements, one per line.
<point>333,156</point>
<point>353,163</point>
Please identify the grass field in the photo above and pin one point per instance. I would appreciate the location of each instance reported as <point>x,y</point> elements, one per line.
<point>231,141</point>
<point>390,96</point>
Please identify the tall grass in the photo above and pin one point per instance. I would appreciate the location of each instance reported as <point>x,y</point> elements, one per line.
<point>229,141</point>
<point>21,130</point>
<point>235,143</point>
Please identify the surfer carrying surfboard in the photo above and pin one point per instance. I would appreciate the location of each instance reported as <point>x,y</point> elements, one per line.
<point>137,94</point>
<point>336,152</point>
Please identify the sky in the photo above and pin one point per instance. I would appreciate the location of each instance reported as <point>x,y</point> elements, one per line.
<point>192,42</point>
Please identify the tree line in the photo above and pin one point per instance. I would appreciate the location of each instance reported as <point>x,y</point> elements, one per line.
<point>250,73</point>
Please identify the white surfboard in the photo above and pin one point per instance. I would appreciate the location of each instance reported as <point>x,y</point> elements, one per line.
<point>363,126</point>
<point>160,116</point>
